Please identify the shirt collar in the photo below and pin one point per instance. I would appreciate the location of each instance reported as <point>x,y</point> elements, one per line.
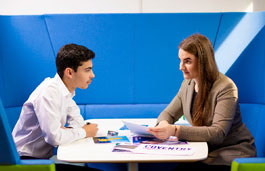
<point>64,89</point>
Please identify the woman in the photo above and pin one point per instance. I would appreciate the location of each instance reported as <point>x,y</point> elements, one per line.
<point>209,101</point>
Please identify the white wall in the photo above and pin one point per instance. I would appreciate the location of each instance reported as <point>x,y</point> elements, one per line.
<point>19,7</point>
<point>198,5</point>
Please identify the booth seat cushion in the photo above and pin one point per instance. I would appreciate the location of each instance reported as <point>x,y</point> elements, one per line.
<point>253,115</point>
<point>13,115</point>
<point>123,110</point>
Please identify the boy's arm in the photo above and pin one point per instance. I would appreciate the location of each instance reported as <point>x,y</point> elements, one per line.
<point>48,112</point>
<point>74,118</point>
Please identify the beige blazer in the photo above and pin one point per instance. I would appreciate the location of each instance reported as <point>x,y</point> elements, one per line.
<point>226,135</point>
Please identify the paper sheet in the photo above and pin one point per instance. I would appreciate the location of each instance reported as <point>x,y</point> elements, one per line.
<point>137,129</point>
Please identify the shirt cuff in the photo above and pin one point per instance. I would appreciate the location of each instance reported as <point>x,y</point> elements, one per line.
<point>82,133</point>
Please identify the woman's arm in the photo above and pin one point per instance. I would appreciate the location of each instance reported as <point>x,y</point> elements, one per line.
<point>224,103</point>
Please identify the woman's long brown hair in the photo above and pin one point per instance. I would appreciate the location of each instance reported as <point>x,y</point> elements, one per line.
<point>201,47</point>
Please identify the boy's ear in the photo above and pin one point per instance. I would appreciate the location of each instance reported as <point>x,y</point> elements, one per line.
<point>68,72</point>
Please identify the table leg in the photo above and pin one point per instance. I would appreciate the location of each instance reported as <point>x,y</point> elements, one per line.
<point>132,166</point>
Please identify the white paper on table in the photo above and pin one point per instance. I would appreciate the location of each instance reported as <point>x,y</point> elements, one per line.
<point>137,129</point>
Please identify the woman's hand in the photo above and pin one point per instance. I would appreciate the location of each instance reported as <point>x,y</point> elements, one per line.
<point>163,130</point>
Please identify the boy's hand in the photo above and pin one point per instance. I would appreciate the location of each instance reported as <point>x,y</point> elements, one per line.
<point>91,129</point>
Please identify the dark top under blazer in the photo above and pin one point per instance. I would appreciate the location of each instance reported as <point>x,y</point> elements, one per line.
<point>226,135</point>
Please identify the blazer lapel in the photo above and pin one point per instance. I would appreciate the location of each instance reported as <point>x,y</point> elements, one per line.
<point>190,91</point>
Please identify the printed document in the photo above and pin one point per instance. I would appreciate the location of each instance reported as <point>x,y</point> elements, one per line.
<point>137,129</point>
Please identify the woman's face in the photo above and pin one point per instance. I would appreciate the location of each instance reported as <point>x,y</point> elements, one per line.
<point>188,65</point>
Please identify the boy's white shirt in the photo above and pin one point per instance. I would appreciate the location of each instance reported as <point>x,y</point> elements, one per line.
<point>43,116</point>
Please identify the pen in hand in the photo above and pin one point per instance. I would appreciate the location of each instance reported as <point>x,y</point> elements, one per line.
<point>91,129</point>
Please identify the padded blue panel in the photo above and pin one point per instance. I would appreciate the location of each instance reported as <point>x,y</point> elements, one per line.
<point>26,57</point>
<point>8,149</point>
<point>124,111</point>
<point>228,23</point>
<point>236,31</point>
<point>157,75</point>
<point>82,110</point>
<point>253,115</point>
<point>13,114</point>
<point>248,71</point>
<point>110,36</point>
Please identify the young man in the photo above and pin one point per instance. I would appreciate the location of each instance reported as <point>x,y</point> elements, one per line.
<point>42,122</point>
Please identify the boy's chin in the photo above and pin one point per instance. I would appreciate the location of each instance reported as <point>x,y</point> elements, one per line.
<point>84,87</point>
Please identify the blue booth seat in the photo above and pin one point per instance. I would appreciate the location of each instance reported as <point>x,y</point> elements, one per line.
<point>248,72</point>
<point>136,64</point>
<point>123,110</point>
<point>253,115</point>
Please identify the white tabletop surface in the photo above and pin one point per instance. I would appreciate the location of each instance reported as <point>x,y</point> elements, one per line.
<point>86,151</point>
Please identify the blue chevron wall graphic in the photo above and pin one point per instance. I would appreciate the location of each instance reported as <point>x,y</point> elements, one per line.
<point>232,39</point>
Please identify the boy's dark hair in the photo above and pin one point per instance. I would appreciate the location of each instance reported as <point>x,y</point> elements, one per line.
<point>72,56</point>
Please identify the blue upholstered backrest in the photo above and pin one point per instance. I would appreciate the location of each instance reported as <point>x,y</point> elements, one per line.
<point>253,115</point>
<point>246,45</point>
<point>136,64</point>
<point>248,69</point>
<point>26,58</point>
<point>136,54</point>
<point>8,150</point>
<point>136,58</point>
